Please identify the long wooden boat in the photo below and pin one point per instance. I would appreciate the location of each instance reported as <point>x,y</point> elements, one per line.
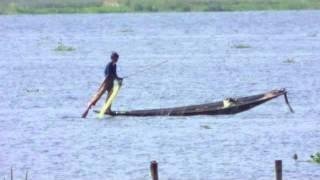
<point>230,106</point>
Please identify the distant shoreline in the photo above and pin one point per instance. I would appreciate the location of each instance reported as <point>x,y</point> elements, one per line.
<point>132,6</point>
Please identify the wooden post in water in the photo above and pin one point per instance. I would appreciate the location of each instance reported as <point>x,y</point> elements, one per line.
<point>154,170</point>
<point>278,169</point>
<point>26,178</point>
<point>11,174</point>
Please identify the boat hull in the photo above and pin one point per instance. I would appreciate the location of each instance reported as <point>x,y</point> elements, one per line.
<point>217,108</point>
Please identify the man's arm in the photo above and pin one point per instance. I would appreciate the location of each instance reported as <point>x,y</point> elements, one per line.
<point>116,74</point>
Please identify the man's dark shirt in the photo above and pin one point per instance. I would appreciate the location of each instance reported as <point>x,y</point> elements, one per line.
<point>111,71</point>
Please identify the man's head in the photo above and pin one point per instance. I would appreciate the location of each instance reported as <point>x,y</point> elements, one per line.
<point>114,57</point>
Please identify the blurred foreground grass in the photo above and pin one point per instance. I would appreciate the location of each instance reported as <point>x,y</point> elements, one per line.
<point>108,6</point>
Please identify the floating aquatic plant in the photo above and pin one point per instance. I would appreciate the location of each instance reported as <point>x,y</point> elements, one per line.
<point>32,90</point>
<point>315,158</point>
<point>62,47</point>
<point>290,60</point>
<point>205,126</point>
<point>313,35</point>
<point>242,46</point>
<point>126,31</point>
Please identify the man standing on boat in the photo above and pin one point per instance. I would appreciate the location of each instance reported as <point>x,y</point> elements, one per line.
<point>110,73</point>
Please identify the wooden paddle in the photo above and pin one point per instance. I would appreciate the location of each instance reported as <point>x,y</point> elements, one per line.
<point>84,115</point>
<point>114,93</point>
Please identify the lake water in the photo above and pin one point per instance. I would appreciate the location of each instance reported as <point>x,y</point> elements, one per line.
<point>44,92</point>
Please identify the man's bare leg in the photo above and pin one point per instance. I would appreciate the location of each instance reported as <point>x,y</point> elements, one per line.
<point>94,100</point>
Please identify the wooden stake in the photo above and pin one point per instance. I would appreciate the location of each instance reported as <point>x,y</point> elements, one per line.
<point>154,170</point>
<point>26,176</point>
<point>278,169</point>
<point>11,174</point>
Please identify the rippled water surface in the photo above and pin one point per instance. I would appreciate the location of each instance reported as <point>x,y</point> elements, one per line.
<point>43,93</point>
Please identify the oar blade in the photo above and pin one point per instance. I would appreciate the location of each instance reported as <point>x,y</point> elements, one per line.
<point>84,115</point>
